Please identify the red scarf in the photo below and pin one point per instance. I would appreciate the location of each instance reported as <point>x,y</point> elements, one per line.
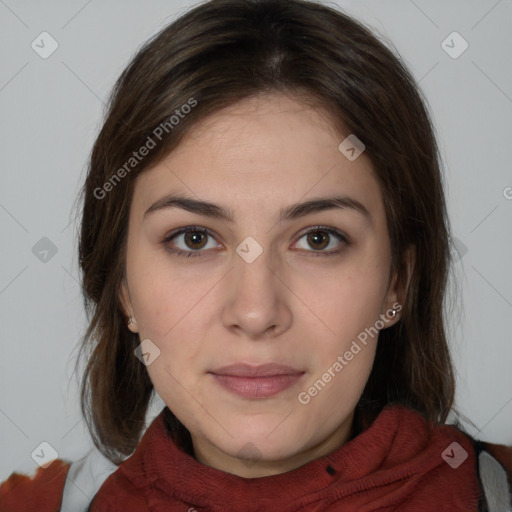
<point>397,464</point>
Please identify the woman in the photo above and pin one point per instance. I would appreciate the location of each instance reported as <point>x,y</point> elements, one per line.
<point>265,244</point>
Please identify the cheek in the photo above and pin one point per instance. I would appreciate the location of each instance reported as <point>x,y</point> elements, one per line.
<point>350,300</point>
<point>170,313</point>
<point>162,295</point>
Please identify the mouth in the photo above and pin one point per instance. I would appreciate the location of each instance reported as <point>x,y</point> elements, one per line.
<point>261,381</point>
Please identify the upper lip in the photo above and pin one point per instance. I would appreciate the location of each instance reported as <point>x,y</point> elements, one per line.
<point>263,370</point>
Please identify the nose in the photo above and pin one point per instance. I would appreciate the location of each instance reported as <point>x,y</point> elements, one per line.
<point>257,298</point>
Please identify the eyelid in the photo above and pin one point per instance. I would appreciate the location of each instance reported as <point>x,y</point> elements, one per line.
<point>180,231</point>
<point>340,235</point>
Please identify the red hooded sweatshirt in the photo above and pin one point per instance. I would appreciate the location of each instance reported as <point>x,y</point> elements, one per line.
<point>397,464</point>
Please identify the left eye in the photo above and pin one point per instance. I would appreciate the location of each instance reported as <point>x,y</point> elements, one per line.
<point>322,236</point>
<point>195,239</point>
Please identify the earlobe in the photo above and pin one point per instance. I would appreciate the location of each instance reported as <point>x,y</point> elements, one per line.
<point>132,324</point>
<point>399,287</point>
<point>126,304</point>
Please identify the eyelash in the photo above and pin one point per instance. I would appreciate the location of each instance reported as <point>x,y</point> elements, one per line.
<point>179,252</point>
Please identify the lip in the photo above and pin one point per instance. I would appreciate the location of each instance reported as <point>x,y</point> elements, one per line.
<point>257,381</point>
<point>262,370</point>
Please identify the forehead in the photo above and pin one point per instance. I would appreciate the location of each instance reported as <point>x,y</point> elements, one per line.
<point>271,149</point>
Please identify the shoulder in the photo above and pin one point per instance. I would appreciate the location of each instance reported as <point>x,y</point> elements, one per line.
<point>41,493</point>
<point>84,479</point>
<point>60,487</point>
<point>495,474</point>
<point>492,462</point>
<point>502,453</point>
<point>493,469</point>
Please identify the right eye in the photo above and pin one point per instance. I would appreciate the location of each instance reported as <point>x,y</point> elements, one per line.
<point>194,240</point>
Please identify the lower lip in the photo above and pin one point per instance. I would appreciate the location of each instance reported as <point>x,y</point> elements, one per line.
<point>257,387</point>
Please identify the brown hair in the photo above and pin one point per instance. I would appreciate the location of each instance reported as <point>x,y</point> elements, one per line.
<point>216,54</point>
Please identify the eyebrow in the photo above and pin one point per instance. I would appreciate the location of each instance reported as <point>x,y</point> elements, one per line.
<point>294,211</point>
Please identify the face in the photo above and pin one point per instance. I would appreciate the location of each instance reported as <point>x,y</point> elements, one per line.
<point>261,317</point>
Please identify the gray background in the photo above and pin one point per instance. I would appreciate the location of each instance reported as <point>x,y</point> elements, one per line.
<point>51,111</point>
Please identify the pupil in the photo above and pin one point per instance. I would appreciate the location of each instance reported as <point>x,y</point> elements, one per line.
<point>317,237</point>
<point>194,237</point>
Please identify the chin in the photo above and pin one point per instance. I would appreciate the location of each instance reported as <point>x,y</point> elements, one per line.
<point>269,440</point>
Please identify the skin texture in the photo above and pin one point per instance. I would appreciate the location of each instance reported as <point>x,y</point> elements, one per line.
<point>291,305</point>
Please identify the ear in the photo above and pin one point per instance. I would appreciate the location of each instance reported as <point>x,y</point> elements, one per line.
<point>399,287</point>
<point>126,304</point>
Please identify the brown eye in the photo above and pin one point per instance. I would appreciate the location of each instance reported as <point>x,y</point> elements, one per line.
<point>320,237</point>
<point>189,241</point>
<point>195,239</point>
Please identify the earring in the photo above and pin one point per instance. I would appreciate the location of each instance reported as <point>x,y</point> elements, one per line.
<point>393,312</point>
<point>131,320</point>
